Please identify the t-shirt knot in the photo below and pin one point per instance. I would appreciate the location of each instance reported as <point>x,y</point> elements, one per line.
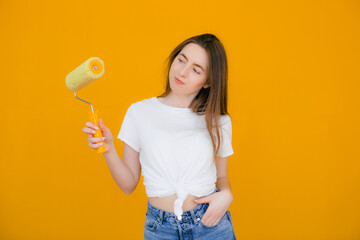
<point>182,194</point>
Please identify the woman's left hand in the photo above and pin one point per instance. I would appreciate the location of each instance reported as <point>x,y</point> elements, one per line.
<point>218,202</point>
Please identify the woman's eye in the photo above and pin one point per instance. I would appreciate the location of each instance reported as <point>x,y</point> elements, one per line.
<point>193,68</point>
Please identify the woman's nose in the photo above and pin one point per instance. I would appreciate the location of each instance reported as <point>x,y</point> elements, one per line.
<point>183,71</point>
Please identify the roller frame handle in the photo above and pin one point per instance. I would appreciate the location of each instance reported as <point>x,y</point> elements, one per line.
<point>94,119</point>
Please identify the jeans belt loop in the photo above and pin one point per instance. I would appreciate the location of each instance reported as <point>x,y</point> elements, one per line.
<point>193,216</point>
<point>161,216</point>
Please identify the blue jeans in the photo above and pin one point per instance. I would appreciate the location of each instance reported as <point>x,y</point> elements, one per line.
<point>160,224</point>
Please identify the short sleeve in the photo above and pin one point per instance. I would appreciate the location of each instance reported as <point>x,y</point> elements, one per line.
<point>226,132</point>
<point>129,132</point>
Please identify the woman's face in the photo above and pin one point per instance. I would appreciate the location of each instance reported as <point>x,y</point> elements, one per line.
<point>190,66</point>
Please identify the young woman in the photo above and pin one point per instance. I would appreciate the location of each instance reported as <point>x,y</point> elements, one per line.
<point>180,141</point>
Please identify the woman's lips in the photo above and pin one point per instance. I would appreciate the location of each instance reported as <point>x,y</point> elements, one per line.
<point>178,81</point>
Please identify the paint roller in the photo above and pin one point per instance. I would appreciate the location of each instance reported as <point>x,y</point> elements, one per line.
<point>89,71</point>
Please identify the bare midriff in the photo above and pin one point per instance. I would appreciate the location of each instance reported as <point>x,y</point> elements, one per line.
<point>167,203</point>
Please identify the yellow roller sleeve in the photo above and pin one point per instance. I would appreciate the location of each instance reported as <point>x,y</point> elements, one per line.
<point>86,73</point>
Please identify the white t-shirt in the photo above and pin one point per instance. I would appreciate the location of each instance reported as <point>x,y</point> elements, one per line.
<point>176,153</point>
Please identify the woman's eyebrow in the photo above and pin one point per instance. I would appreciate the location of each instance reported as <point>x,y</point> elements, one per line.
<point>194,63</point>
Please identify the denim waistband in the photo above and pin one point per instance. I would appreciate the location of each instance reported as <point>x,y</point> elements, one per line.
<point>193,214</point>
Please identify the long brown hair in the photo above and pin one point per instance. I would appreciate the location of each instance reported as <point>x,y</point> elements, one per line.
<point>211,101</point>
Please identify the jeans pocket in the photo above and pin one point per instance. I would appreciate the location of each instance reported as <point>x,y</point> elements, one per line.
<point>150,222</point>
<point>221,220</point>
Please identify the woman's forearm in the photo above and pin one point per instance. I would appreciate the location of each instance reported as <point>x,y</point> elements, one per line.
<point>119,171</point>
<point>223,184</point>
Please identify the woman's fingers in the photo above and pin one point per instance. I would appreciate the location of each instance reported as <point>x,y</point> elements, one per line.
<point>95,145</point>
<point>96,140</point>
<point>92,126</point>
<point>88,130</point>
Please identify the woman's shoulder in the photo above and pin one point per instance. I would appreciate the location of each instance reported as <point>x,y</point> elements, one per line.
<point>142,104</point>
<point>225,118</point>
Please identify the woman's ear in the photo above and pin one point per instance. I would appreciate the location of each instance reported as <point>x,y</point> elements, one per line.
<point>206,86</point>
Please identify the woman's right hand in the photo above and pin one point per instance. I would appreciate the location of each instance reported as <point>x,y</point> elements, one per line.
<point>95,143</point>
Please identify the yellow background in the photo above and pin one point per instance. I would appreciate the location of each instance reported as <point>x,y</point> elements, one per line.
<point>293,96</point>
